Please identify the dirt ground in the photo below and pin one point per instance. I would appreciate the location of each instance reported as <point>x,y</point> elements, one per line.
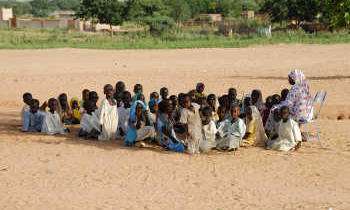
<point>55,172</point>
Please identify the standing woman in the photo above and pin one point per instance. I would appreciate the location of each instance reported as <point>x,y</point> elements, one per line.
<point>299,99</point>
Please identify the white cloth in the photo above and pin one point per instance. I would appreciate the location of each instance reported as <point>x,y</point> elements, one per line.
<point>52,124</point>
<point>123,115</point>
<point>24,109</point>
<point>288,136</point>
<point>209,134</point>
<point>231,134</point>
<point>89,122</point>
<point>145,132</point>
<point>193,121</point>
<point>108,120</point>
<point>260,135</point>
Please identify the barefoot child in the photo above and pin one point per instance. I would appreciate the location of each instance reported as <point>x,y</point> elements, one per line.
<point>289,135</point>
<point>208,131</point>
<point>108,115</point>
<point>89,123</point>
<point>33,118</point>
<point>255,133</point>
<point>190,118</point>
<point>231,132</point>
<point>52,123</point>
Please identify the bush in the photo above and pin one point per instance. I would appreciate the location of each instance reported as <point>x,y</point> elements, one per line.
<point>160,25</point>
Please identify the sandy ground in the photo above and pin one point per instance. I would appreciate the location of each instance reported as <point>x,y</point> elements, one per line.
<point>45,172</point>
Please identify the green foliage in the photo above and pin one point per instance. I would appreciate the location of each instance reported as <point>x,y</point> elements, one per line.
<point>339,13</point>
<point>160,25</point>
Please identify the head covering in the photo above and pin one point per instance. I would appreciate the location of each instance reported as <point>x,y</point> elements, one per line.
<point>132,134</point>
<point>74,99</point>
<point>243,101</point>
<point>259,103</point>
<point>260,135</point>
<point>152,102</point>
<point>299,99</point>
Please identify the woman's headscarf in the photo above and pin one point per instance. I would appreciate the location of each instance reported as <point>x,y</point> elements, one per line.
<point>152,102</point>
<point>132,134</point>
<point>260,134</point>
<point>243,102</point>
<point>299,99</point>
<point>259,103</point>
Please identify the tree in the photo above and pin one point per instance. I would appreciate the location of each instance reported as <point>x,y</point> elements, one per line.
<point>180,10</point>
<point>277,10</point>
<point>40,8</point>
<point>138,10</point>
<point>338,11</point>
<point>109,12</point>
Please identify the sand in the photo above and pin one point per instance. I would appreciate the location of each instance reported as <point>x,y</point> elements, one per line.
<point>45,172</point>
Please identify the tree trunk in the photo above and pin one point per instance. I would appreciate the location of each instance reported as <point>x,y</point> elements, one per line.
<point>111,30</point>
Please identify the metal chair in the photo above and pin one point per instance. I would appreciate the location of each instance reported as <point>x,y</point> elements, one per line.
<point>319,98</point>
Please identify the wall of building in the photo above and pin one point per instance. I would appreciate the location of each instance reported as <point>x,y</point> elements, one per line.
<point>6,13</point>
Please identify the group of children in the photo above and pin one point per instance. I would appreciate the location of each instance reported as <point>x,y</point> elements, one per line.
<point>191,122</point>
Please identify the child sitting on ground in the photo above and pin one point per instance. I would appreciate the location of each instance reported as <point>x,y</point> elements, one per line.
<point>246,102</point>
<point>255,133</point>
<point>191,120</point>
<point>140,128</point>
<point>93,96</point>
<point>272,126</point>
<point>266,112</point>
<point>27,97</point>
<point>75,110</point>
<point>108,117</point>
<point>84,97</point>
<point>166,136</point>
<point>250,136</point>
<point>208,131</point>
<point>154,95</point>
<point>138,91</point>
<point>33,118</point>
<point>64,110</point>
<point>123,114</point>
<point>118,92</point>
<point>284,94</point>
<point>52,123</point>
<point>89,123</point>
<point>231,132</point>
<point>289,135</point>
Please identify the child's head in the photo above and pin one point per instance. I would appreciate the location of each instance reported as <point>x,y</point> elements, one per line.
<point>141,97</point>
<point>93,96</point>
<point>256,95</point>
<point>249,113</point>
<point>138,88</point>
<point>120,87</point>
<point>276,99</point>
<point>27,97</point>
<point>224,101</point>
<point>74,103</point>
<point>269,102</point>
<point>247,101</point>
<point>139,109</point>
<point>34,106</point>
<point>200,87</point>
<point>202,102</point>
<point>153,105</point>
<point>284,94</point>
<point>276,115</point>
<point>165,107</point>
<point>207,113</point>
<point>85,94</point>
<point>186,102</point>
<point>211,100</point>
<point>235,111</point>
<point>154,95</point>
<point>164,92</point>
<point>89,106</point>
<point>108,91</point>
<point>232,93</point>
<point>222,112</point>
<point>285,113</point>
<point>174,100</point>
<point>63,99</point>
<point>53,104</point>
<point>192,96</point>
<point>180,98</point>
<point>126,99</point>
